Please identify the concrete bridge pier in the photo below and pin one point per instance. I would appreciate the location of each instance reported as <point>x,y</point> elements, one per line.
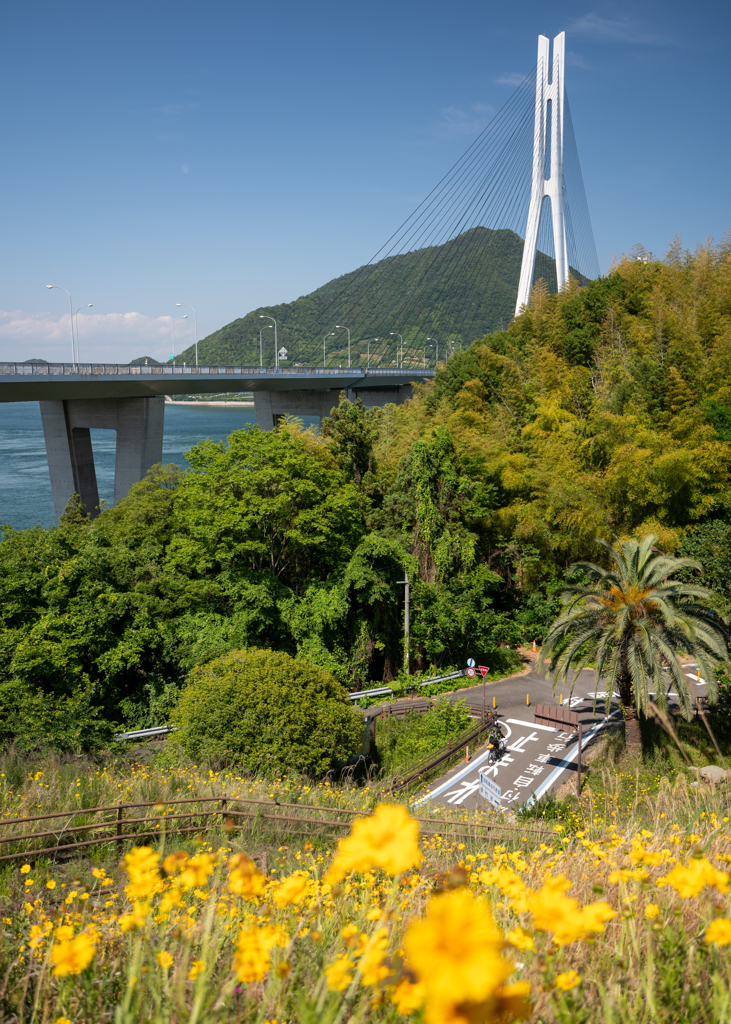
<point>66,425</point>
<point>271,406</point>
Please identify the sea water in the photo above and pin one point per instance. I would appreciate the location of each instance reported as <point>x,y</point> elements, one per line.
<point>25,486</point>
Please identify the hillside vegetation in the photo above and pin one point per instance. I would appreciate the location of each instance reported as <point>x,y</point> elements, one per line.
<point>456,292</point>
<point>601,410</point>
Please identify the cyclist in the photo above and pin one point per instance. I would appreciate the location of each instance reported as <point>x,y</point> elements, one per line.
<point>495,743</point>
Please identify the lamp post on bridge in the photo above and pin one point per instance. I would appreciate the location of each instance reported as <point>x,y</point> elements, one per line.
<point>186,306</point>
<point>263,316</point>
<point>87,305</point>
<point>71,311</point>
<point>369,352</point>
<point>402,347</point>
<point>339,327</point>
<point>425,348</point>
<point>437,344</point>
<point>175,320</point>
<point>266,327</point>
<point>330,334</point>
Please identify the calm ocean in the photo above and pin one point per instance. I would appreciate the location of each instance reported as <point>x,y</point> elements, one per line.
<point>25,487</point>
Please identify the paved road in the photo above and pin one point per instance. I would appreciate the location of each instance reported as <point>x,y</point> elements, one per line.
<point>539,759</point>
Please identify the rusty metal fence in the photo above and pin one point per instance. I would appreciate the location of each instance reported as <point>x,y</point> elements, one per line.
<point>198,814</point>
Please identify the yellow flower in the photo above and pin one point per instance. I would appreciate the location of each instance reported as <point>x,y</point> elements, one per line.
<point>73,955</point>
<point>387,839</point>
<point>652,910</point>
<point>455,951</point>
<point>689,881</point>
<point>62,1020</point>
<point>99,873</point>
<point>568,980</point>
<point>371,966</point>
<point>252,959</point>
<point>165,959</point>
<point>50,884</point>
<point>292,890</point>
<point>141,864</point>
<point>408,996</point>
<point>174,862</point>
<point>25,869</point>
<point>522,940</point>
<point>718,932</point>
<point>554,912</point>
<point>131,922</point>
<point>196,969</point>
<point>244,879</point>
<point>339,974</point>
<point>197,870</point>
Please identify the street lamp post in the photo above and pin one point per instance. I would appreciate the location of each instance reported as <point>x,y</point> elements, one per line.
<point>330,334</point>
<point>175,320</point>
<point>341,328</point>
<point>88,305</point>
<point>402,347</point>
<point>266,327</point>
<point>263,316</point>
<point>437,344</point>
<point>71,311</point>
<point>185,306</point>
<point>369,351</point>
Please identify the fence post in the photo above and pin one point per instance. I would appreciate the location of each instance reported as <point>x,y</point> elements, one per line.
<point>224,804</point>
<point>120,818</point>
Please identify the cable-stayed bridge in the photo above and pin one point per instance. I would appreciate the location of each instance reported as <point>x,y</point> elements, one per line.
<point>510,213</point>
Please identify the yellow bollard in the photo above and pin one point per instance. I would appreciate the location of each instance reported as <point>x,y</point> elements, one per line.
<point>493,703</point>
<point>527,700</point>
<point>698,676</point>
<point>560,700</point>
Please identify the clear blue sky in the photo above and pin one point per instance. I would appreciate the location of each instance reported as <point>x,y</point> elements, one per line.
<point>236,154</point>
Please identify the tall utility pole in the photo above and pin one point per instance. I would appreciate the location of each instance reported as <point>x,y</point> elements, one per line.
<point>547,166</point>
<point>407,631</point>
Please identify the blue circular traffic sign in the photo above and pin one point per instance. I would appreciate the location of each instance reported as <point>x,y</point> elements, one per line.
<point>470,663</point>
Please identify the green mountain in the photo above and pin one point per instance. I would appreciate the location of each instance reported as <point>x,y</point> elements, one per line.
<point>451,293</point>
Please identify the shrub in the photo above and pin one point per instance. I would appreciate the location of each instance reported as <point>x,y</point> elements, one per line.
<point>265,711</point>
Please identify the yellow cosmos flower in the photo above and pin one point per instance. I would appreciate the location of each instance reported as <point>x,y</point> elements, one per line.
<point>568,980</point>
<point>291,890</point>
<point>554,912</point>
<point>197,870</point>
<point>522,940</point>
<point>62,1020</point>
<point>50,884</point>
<point>689,881</point>
<point>718,932</point>
<point>196,969</point>
<point>456,952</point>
<point>244,878</point>
<point>339,975</point>
<point>651,910</point>
<point>165,959</point>
<point>408,996</point>
<point>253,959</point>
<point>141,864</point>
<point>73,955</point>
<point>387,839</point>
<point>136,919</point>
<point>371,966</point>
<point>25,869</point>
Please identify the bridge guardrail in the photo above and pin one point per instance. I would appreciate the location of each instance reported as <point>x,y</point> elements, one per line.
<point>124,369</point>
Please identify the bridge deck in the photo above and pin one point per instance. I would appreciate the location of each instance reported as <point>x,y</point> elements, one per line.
<point>27,382</point>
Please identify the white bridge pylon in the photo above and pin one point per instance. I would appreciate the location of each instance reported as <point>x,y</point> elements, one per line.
<point>547,166</point>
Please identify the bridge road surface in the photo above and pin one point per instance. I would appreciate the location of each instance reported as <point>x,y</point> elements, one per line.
<point>538,759</point>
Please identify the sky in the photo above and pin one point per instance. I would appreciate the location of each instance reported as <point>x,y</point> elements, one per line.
<point>231,155</point>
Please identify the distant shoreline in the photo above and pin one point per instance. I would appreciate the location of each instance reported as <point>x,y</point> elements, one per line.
<point>171,401</point>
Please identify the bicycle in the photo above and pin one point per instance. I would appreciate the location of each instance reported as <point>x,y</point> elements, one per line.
<point>496,745</point>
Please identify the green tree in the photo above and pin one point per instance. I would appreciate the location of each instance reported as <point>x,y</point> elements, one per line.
<point>265,711</point>
<point>351,431</point>
<point>633,620</point>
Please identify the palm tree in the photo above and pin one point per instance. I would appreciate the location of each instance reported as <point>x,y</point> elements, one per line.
<point>633,620</point>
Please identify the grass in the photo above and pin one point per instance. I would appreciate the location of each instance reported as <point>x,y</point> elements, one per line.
<point>643,855</point>
<point>403,741</point>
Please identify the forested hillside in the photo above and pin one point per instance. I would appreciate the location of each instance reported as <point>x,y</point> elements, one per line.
<point>455,292</point>
<point>601,410</point>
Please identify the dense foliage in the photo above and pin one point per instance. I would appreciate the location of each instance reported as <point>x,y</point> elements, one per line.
<point>603,410</point>
<point>266,712</point>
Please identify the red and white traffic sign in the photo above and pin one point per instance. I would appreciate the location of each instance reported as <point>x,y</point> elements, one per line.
<point>483,669</point>
<point>470,672</point>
